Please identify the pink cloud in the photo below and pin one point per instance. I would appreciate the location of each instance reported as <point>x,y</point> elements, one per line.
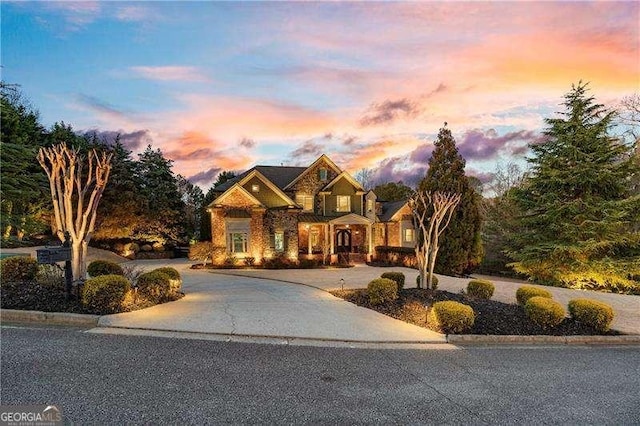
<point>171,73</point>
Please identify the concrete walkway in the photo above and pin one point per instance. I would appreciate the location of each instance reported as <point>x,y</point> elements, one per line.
<point>237,305</point>
<point>626,307</point>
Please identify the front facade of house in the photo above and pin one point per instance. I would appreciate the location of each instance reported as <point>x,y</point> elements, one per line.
<point>304,213</point>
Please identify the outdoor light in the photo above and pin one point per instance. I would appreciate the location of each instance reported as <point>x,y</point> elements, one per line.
<point>342,284</point>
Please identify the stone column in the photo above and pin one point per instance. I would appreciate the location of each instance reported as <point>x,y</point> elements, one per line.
<point>331,237</point>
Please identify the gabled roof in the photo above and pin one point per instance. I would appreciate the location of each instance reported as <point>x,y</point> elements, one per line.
<point>390,208</point>
<point>324,158</point>
<point>236,187</point>
<point>348,177</point>
<point>256,173</point>
<point>280,176</point>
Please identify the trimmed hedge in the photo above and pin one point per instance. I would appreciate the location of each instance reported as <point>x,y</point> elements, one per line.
<point>174,277</point>
<point>382,290</point>
<point>545,312</point>
<point>526,292</point>
<point>18,269</point>
<point>435,281</point>
<point>155,286</point>
<point>105,294</point>
<point>398,277</point>
<point>482,289</point>
<point>593,313</point>
<point>104,267</point>
<point>451,317</point>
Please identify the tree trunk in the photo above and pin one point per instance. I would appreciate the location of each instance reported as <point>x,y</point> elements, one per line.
<point>78,263</point>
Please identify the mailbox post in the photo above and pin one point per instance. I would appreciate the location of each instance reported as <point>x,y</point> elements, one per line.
<point>52,255</point>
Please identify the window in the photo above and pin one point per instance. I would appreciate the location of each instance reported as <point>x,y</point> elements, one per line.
<point>255,188</point>
<point>278,241</point>
<point>238,242</point>
<point>369,206</point>
<point>315,237</point>
<point>343,203</point>
<point>408,235</point>
<point>306,201</point>
<point>322,174</point>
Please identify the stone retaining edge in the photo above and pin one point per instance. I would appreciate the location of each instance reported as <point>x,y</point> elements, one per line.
<point>59,318</point>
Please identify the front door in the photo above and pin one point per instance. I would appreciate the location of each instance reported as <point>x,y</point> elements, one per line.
<point>343,241</point>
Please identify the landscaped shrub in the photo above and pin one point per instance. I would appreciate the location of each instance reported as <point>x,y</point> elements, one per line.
<point>18,269</point>
<point>174,277</point>
<point>249,260</point>
<point>155,286</point>
<point>51,276</point>
<point>526,292</point>
<point>104,267</point>
<point>230,260</point>
<point>595,314</point>
<point>308,264</point>
<point>382,290</point>
<point>434,283</point>
<point>105,294</point>
<point>398,277</point>
<point>482,289</point>
<point>545,312</point>
<point>451,317</point>
<point>277,262</point>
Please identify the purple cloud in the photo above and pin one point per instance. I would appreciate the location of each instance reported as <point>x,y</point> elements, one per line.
<point>247,143</point>
<point>309,150</point>
<point>479,144</point>
<point>130,140</point>
<point>198,154</point>
<point>389,111</point>
<point>205,177</point>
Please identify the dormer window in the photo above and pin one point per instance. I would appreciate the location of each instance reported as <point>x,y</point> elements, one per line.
<point>322,173</point>
<point>255,188</point>
<point>369,206</point>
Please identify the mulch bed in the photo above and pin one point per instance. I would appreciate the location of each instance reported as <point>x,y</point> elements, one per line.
<point>491,317</point>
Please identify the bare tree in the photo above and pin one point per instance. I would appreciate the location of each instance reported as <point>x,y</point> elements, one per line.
<point>75,193</point>
<point>442,205</point>
<point>365,177</point>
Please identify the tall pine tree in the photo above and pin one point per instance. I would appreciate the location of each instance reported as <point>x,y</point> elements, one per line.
<point>461,244</point>
<point>578,223</point>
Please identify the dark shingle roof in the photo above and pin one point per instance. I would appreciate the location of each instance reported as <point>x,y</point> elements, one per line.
<point>389,208</point>
<point>281,176</point>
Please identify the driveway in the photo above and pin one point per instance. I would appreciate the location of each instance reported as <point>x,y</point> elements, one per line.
<point>626,307</point>
<point>237,305</point>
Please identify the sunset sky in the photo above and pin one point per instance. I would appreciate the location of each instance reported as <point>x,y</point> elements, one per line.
<point>224,86</point>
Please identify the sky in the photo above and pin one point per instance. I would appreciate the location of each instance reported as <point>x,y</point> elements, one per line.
<point>228,85</point>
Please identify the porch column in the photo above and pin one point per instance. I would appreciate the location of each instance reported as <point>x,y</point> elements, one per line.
<point>326,238</point>
<point>331,237</point>
<point>370,234</point>
<point>309,240</point>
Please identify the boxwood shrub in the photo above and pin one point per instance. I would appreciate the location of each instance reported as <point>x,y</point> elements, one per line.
<point>482,289</point>
<point>593,313</point>
<point>18,269</point>
<point>451,317</point>
<point>104,294</point>
<point>545,312</point>
<point>526,292</point>
<point>174,277</point>
<point>155,286</point>
<point>398,277</point>
<point>382,290</point>
<point>104,267</point>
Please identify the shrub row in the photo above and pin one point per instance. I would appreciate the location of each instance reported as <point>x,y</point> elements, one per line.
<point>451,317</point>
<point>104,267</point>
<point>547,313</point>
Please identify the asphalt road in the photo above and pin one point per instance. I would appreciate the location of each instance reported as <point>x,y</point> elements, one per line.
<point>108,379</point>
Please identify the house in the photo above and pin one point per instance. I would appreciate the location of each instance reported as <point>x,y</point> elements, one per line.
<point>304,213</point>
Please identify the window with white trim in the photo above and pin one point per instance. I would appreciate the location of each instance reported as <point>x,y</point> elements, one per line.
<point>306,201</point>
<point>238,242</point>
<point>408,235</point>
<point>322,173</point>
<point>278,241</point>
<point>315,237</point>
<point>369,206</point>
<point>343,203</point>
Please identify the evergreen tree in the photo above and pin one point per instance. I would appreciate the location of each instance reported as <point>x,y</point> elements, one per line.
<point>578,215</point>
<point>212,193</point>
<point>24,204</point>
<point>192,198</point>
<point>159,188</point>
<point>393,191</point>
<point>461,244</point>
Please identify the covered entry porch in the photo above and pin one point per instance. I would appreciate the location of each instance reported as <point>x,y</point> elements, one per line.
<point>320,237</point>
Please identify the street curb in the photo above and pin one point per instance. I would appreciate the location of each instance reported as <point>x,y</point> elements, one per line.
<point>474,339</point>
<point>59,318</point>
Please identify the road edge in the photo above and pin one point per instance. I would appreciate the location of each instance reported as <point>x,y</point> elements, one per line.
<point>40,317</point>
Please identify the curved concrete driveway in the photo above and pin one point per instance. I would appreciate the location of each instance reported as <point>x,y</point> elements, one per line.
<point>235,305</point>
